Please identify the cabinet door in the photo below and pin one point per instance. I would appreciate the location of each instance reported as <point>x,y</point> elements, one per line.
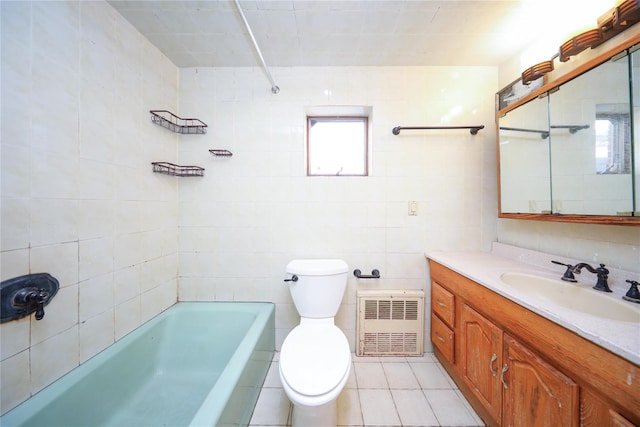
<point>480,352</point>
<point>535,393</point>
<point>595,412</point>
<point>618,420</point>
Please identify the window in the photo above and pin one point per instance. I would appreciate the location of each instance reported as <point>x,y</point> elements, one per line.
<point>337,145</point>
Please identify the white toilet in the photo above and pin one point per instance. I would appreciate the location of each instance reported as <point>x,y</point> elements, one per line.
<point>315,360</point>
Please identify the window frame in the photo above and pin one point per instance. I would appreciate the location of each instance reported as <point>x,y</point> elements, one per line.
<point>365,118</point>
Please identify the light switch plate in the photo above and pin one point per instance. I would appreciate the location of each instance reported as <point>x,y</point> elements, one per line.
<point>413,208</point>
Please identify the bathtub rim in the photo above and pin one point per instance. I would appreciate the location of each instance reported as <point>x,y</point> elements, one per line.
<point>38,401</point>
<point>219,395</point>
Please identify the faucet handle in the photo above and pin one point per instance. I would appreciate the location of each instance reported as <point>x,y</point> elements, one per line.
<point>568,274</point>
<point>602,284</point>
<point>40,298</point>
<point>633,295</point>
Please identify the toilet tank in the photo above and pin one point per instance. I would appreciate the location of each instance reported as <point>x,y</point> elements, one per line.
<point>320,286</point>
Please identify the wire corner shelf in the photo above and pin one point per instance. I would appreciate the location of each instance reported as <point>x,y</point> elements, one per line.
<point>177,170</point>
<point>176,124</point>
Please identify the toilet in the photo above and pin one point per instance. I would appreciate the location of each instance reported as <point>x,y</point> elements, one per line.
<point>315,359</point>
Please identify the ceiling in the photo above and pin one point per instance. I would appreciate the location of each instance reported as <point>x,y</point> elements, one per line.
<point>211,33</point>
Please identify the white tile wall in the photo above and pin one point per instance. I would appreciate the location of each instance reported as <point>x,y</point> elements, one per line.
<point>79,199</point>
<point>615,246</point>
<point>255,211</point>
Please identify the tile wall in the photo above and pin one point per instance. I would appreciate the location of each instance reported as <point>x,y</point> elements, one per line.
<point>251,213</point>
<point>79,199</point>
<point>615,246</point>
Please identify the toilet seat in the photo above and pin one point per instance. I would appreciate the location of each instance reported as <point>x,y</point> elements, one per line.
<point>315,359</point>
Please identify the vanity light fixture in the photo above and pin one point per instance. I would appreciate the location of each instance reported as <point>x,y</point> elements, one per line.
<point>618,19</point>
<point>610,24</point>
<point>577,44</point>
<point>534,73</point>
<point>626,14</point>
<point>605,24</point>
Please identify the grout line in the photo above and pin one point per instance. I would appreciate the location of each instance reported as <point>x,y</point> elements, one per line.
<point>381,361</point>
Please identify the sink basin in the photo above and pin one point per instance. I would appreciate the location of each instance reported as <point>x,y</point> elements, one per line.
<point>572,296</point>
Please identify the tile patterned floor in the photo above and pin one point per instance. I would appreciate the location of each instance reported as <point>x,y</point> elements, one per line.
<point>385,391</point>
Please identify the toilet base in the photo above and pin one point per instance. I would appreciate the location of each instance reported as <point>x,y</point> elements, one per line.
<point>316,416</point>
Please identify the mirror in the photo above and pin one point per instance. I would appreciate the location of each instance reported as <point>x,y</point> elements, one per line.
<point>569,151</point>
<point>525,179</point>
<point>590,140</point>
<point>635,78</point>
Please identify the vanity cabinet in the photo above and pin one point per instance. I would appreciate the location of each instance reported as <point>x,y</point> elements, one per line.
<point>518,368</point>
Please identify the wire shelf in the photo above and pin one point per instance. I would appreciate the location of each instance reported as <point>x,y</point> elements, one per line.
<point>221,153</point>
<point>177,170</point>
<point>170,121</point>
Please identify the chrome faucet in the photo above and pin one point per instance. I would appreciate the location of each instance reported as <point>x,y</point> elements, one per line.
<point>601,272</point>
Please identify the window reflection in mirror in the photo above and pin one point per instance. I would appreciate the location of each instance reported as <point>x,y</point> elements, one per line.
<point>613,141</point>
<point>591,142</point>
<point>524,159</point>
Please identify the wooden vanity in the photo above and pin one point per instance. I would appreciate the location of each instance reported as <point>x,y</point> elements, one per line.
<point>518,368</point>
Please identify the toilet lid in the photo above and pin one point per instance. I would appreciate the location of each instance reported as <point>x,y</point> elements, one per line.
<point>314,359</point>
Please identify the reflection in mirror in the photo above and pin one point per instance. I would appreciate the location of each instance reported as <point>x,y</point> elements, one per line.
<point>635,167</point>
<point>613,145</point>
<point>590,143</point>
<point>524,159</point>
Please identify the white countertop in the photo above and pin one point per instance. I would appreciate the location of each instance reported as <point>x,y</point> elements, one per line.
<point>619,337</point>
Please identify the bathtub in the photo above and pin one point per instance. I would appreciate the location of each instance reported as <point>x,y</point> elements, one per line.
<point>196,364</point>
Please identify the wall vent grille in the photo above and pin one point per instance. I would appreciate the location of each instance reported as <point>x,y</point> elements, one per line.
<point>390,323</point>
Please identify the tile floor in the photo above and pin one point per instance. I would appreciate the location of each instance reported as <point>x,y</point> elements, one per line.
<point>385,391</point>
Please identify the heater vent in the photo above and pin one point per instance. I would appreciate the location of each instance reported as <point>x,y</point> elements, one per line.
<point>390,323</point>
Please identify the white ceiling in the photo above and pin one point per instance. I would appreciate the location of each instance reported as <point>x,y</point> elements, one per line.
<point>341,32</point>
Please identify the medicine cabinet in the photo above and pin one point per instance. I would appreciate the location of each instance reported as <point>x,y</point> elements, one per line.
<point>570,151</point>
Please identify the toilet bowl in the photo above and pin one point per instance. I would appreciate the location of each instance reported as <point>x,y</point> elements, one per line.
<point>315,358</point>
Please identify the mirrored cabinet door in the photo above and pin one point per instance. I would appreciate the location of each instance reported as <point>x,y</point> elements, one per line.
<point>590,143</point>
<point>635,76</point>
<point>524,159</point>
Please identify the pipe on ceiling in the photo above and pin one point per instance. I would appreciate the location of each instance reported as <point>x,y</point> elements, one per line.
<point>274,87</point>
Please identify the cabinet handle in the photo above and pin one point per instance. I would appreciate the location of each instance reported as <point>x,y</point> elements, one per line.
<point>505,368</point>
<point>440,338</point>
<point>493,359</point>
<point>441,304</point>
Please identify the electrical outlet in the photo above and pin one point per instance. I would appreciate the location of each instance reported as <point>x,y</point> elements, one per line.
<point>557,206</point>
